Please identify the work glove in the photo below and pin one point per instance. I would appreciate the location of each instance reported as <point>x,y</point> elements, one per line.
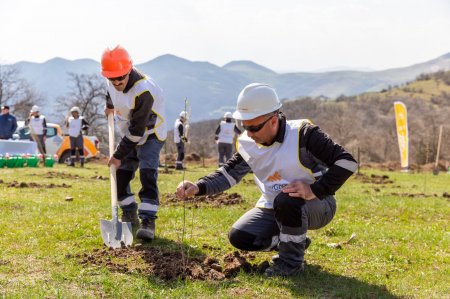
<point>184,139</point>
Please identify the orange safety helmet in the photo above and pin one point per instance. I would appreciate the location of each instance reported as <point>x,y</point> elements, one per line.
<point>116,62</point>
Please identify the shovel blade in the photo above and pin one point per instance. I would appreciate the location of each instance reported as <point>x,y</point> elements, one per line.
<point>115,234</point>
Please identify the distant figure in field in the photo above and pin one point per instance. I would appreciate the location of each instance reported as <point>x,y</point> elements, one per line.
<point>75,125</point>
<point>38,128</point>
<point>8,124</point>
<point>180,138</point>
<point>297,168</point>
<point>225,134</point>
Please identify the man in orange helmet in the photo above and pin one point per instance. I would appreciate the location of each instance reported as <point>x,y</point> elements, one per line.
<point>139,113</point>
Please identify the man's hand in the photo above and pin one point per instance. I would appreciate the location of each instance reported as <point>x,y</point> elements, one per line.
<point>108,111</point>
<point>184,139</point>
<point>186,189</point>
<point>115,162</point>
<point>299,189</point>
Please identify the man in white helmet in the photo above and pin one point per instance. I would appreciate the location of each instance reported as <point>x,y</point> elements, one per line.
<point>38,128</point>
<point>179,137</point>
<point>75,125</point>
<point>225,133</point>
<point>297,168</point>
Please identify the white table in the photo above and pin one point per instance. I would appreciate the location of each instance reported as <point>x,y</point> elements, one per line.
<point>18,147</point>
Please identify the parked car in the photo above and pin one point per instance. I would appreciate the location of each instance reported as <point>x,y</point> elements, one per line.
<point>57,143</point>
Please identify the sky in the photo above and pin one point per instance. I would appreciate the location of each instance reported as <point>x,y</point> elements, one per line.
<point>283,35</point>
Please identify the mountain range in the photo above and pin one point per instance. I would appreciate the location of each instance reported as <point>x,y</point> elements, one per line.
<point>211,90</point>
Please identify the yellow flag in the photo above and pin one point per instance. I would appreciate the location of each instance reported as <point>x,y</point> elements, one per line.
<point>401,121</point>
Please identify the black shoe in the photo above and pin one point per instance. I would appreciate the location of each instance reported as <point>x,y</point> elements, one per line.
<point>146,231</point>
<point>71,164</point>
<point>280,268</point>
<point>130,216</point>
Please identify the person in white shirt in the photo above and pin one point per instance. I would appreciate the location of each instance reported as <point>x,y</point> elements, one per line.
<point>38,129</point>
<point>296,166</point>
<point>75,125</point>
<point>225,134</point>
<point>179,137</point>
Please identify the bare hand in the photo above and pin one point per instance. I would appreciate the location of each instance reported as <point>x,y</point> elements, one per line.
<point>186,189</point>
<point>109,111</point>
<point>115,162</point>
<point>299,189</point>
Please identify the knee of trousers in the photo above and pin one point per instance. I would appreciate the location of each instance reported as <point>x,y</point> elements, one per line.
<point>288,210</point>
<point>123,179</point>
<point>245,241</point>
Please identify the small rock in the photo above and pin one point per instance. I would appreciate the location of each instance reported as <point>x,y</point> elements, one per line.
<point>335,245</point>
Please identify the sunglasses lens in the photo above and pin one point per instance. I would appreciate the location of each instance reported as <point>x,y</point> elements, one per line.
<point>117,78</point>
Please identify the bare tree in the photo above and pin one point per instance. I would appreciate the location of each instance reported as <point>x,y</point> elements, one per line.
<point>23,105</point>
<point>88,93</point>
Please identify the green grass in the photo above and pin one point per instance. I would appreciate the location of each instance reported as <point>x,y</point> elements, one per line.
<point>401,247</point>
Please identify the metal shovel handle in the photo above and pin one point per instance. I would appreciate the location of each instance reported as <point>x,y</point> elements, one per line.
<point>112,169</point>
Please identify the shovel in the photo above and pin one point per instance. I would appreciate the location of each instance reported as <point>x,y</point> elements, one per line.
<point>115,233</point>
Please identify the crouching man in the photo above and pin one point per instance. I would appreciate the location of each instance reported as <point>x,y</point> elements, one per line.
<point>297,168</point>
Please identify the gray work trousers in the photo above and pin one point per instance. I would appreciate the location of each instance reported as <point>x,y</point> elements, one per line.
<point>284,227</point>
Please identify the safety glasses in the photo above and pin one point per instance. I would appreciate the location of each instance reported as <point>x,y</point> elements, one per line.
<point>121,78</point>
<point>256,128</point>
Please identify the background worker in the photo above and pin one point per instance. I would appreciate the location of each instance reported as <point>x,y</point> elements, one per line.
<point>139,113</point>
<point>179,137</point>
<point>297,168</point>
<point>8,123</point>
<point>38,128</point>
<point>225,133</point>
<point>75,125</point>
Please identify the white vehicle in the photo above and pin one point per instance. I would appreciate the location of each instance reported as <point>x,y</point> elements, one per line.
<point>58,144</point>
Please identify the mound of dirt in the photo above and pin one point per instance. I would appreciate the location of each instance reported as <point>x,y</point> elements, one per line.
<point>414,195</point>
<point>16,184</point>
<point>60,175</point>
<point>169,265</point>
<point>193,157</point>
<point>216,200</point>
<point>373,179</point>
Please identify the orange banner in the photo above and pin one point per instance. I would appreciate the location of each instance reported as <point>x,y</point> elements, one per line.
<point>401,121</point>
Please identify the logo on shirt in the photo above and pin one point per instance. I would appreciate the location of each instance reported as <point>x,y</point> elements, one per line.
<point>274,177</point>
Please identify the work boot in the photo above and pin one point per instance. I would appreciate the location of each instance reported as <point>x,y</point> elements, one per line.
<point>276,256</point>
<point>280,268</point>
<point>179,166</point>
<point>146,230</point>
<point>72,162</point>
<point>130,216</point>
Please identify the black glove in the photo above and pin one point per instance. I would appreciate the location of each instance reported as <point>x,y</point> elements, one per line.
<point>216,138</point>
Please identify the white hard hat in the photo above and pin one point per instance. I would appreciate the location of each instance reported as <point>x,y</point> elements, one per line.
<point>228,114</point>
<point>35,108</point>
<point>75,109</point>
<point>183,114</point>
<point>256,99</point>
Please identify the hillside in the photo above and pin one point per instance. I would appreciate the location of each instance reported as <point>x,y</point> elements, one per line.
<point>367,121</point>
<point>212,89</point>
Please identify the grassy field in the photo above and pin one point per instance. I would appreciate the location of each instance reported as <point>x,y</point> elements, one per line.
<point>401,248</point>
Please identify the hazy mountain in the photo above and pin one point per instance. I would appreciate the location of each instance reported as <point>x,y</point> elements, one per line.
<point>211,90</point>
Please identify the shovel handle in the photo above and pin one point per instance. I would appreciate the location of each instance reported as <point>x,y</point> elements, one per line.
<point>112,168</point>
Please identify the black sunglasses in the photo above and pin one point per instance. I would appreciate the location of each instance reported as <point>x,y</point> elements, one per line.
<point>256,128</point>
<point>121,78</point>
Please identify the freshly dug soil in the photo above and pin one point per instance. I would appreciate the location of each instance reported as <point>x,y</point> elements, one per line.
<point>216,200</point>
<point>373,179</point>
<point>16,184</point>
<point>170,265</point>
